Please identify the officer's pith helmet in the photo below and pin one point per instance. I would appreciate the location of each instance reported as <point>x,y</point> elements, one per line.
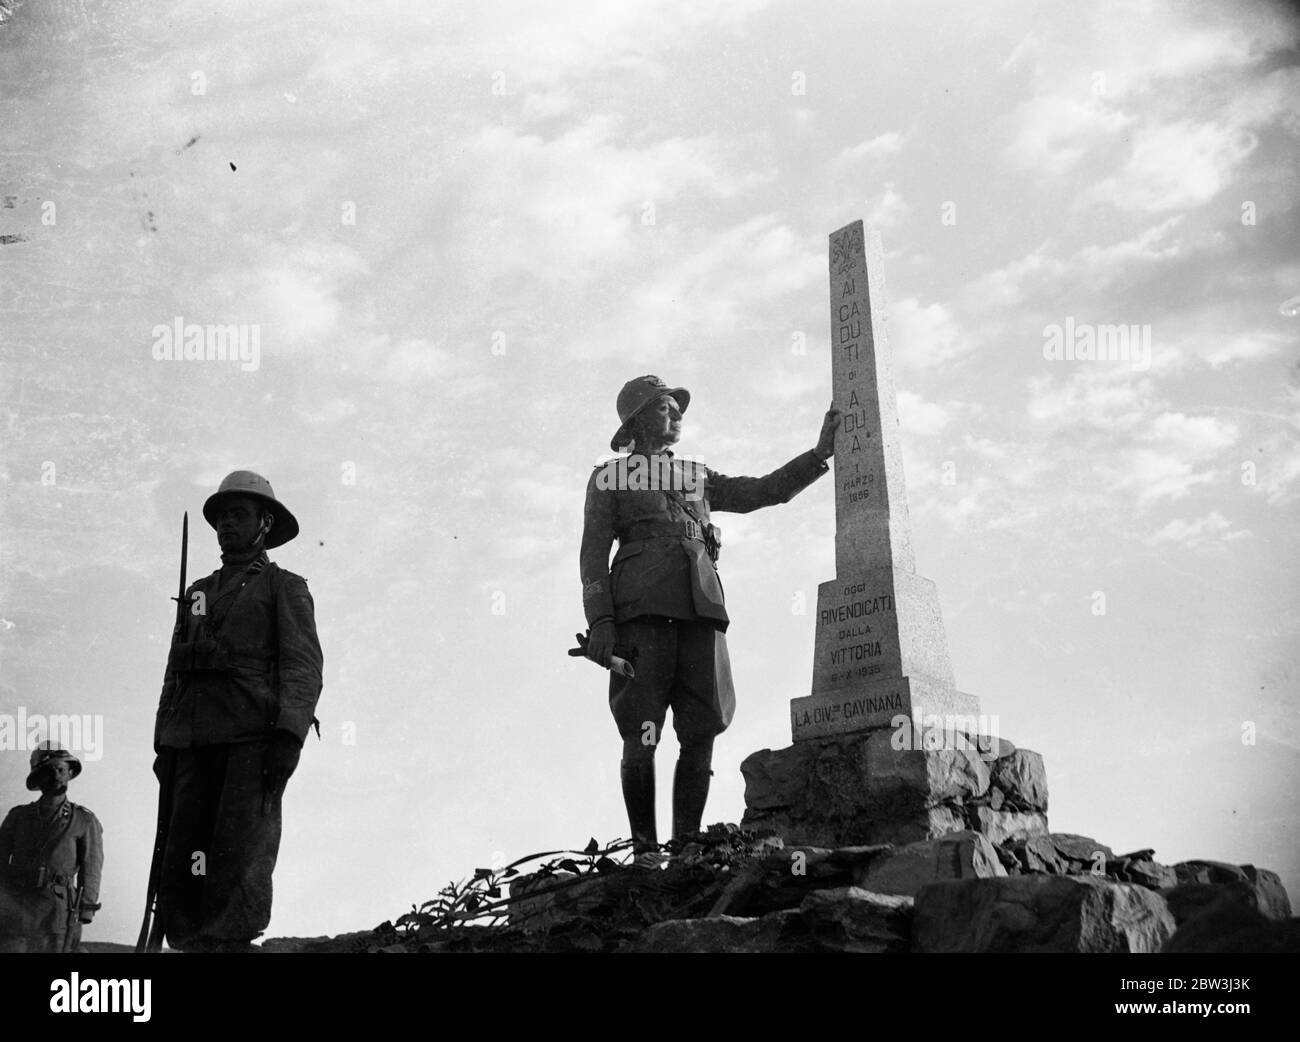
<point>635,396</point>
<point>246,483</point>
<point>44,754</point>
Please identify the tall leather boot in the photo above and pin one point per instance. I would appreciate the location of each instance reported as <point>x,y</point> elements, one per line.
<point>690,791</point>
<point>638,777</point>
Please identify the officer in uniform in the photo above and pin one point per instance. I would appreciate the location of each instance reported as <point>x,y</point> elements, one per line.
<point>238,699</point>
<point>51,855</point>
<point>661,595</point>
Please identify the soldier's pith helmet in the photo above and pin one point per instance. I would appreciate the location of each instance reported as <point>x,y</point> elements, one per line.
<point>43,754</point>
<point>635,396</point>
<point>246,483</point>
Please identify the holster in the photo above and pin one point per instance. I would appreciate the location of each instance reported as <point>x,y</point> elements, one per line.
<point>712,541</point>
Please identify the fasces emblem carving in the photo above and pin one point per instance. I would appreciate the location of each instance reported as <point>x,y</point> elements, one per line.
<point>844,247</point>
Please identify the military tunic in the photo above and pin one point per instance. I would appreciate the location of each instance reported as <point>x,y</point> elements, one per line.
<point>49,871</point>
<point>662,571</point>
<point>249,662</point>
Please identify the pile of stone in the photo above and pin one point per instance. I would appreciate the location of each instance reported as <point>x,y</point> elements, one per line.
<point>968,843</point>
<point>955,893</point>
<point>736,891</point>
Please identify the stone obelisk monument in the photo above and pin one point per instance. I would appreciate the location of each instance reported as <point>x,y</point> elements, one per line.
<point>880,646</point>
<point>885,750</point>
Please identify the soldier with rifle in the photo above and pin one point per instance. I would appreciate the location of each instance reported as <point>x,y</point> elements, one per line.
<point>51,856</point>
<point>238,698</point>
<point>660,601</point>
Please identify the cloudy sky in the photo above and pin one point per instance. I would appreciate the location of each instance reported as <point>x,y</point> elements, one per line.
<point>456,230</point>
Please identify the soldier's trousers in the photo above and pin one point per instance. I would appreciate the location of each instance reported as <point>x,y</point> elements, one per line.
<point>46,942</point>
<point>221,847</point>
<point>27,918</point>
<point>682,664</point>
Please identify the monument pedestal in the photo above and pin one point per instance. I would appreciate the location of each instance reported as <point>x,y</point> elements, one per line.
<point>860,789</point>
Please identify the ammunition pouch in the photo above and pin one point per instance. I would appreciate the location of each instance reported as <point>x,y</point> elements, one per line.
<point>195,656</point>
<point>27,876</point>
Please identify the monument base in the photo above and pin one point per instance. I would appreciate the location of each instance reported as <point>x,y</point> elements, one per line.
<point>870,704</point>
<point>860,789</point>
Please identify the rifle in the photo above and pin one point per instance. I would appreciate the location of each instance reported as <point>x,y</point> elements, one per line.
<point>151,930</point>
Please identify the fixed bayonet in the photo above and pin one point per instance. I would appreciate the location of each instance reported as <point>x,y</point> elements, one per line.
<point>182,602</point>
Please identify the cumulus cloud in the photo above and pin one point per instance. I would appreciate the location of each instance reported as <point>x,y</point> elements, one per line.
<point>1172,46</point>
<point>1278,471</point>
<point>924,335</point>
<point>873,150</point>
<point>1054,132</point>
<point>1175,166</point>
<point>1247,346</point>
<point>919,417</point>
<point>1196,437</point>
<point>1041,274</point>
<point>1102,397</point>
<point>1163,453</point>
<point>1274,470</point>
<point>887,210</point>
<point>1022,53</point>
<point>711,286</point>
<point>1208,532</point>
<point>1150,475</point>
<point>1009,285</point>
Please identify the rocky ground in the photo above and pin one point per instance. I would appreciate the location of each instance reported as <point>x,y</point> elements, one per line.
<point>737,891</point>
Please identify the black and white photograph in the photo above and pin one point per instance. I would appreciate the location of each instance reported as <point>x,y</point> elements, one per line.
<point>416,414</point>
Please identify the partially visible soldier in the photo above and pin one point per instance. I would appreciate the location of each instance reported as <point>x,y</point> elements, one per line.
<point>51,856</point>
<point>237,702</point>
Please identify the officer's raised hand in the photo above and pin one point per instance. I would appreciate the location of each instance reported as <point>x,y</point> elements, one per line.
<point>825,447</point>
<point>600,644</point>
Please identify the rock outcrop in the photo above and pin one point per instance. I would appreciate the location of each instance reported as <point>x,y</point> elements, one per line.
<point>1040,914</point>
<point>862,789</point>
<point>736,891</point>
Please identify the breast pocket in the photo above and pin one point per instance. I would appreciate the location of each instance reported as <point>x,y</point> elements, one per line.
<point>617,569</point>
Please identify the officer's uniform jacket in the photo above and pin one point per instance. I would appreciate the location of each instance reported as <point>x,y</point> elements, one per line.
<point>662,567</point>
<point>248,662</point>
<point>70,849</point>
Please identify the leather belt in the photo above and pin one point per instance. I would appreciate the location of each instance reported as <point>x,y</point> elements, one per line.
<point>644,530</point>
<point>247,659</point>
